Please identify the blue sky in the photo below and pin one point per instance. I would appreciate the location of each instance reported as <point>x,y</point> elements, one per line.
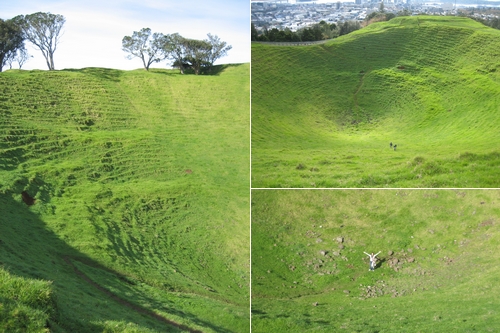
<point>94,28</point>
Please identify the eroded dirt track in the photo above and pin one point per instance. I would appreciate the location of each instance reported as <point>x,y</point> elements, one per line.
<point>126,303</point>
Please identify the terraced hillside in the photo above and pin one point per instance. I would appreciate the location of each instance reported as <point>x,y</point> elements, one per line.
<point>136,186</point>
<point>437,269</point>
<point>325,115</point>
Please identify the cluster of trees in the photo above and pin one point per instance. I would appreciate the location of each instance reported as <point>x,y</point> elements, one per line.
<point>491,22</point>
<point>198,55</point>
<point>316,32</point>
<point>489,17</point>
<point>43,30</point>
<point>323,30</point>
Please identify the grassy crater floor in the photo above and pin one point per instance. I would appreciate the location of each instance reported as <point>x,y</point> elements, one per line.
<point>140,219</point>
<point>324,115</point>
<point>437,270</point>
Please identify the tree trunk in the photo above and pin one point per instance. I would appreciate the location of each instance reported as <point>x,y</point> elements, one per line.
<point>48,63</point>
<point>144,62</point>
<point>52,67</point>
<point>46,55</point>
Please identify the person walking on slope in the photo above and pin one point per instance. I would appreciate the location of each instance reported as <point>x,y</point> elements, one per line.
<point>373,260</point>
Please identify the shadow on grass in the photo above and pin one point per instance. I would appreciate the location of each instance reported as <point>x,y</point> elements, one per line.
<point>380,262</point>
<point>258,312</point>
<point>282,315</point>
<point>28,249</point>
<point>215,71</point>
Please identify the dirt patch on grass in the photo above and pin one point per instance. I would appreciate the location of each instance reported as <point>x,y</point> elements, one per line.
<point>28,199</point>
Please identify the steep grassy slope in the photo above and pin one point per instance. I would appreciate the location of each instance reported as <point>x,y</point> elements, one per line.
<point>324,115</point>
<point>437,269</point>
<point>141,187</point>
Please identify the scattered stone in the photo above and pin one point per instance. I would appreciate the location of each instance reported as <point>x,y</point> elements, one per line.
<point>315,304</point>
<point>390,253</point>
<point>486,222</point>
<point>323,252</point>
<point>319,240</point>
<point>341,246</point>
<point>410,259</point>
<point>340,239</point>
<point>347,292</point>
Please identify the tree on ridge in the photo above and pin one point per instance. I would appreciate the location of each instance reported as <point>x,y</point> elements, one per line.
<point>11,40</point>
<point>197,53</point>
<point>218,49</point>
<point>44,31</point>
<point>149,48</point>
<point>177,51</point>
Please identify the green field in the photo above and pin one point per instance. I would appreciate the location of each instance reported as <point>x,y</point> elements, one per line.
<point>324,115</point>
<point>437,271</point>
<point>141,218</point>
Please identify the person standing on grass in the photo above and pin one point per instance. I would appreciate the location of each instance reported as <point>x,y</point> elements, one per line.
<point>373,260</point>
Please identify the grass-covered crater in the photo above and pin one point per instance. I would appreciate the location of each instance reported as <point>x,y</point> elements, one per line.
<point>430,85</point>
<point>436,270</point>
<point>138,190</point>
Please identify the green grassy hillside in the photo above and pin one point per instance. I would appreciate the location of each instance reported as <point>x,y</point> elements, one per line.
<point>437,270</point>
<point>324,115</point>
<point>140,222</point>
